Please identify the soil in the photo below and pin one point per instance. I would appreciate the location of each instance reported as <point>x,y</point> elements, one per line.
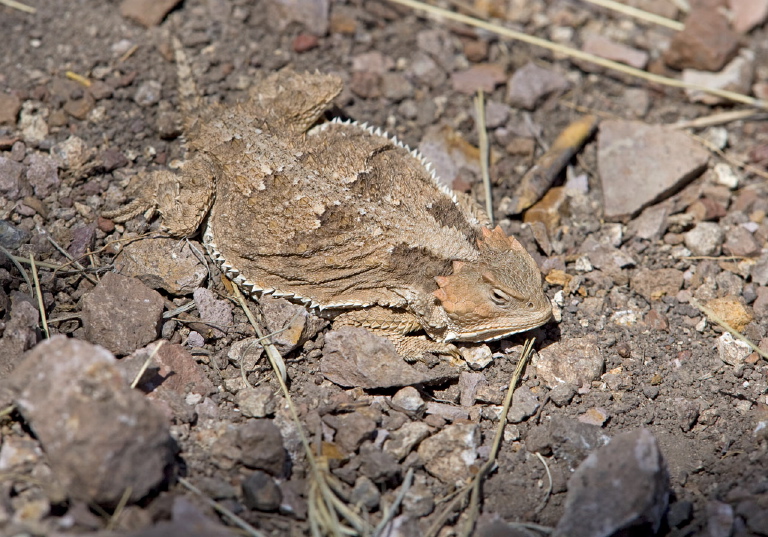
<point>707,416</point>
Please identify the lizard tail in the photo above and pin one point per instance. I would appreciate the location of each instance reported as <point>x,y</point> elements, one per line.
<point>189,97</point>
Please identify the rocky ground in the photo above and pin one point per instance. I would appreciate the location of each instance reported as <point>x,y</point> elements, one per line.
<point>638,414</point>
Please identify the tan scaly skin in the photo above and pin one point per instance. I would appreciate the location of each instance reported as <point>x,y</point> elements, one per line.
<point>343,219</point>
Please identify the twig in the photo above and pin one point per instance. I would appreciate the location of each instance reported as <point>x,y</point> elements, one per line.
<point>549,488</point>
<point>80,79</point>
<point>485,150</point>
<point>18,5</point>
<point>474,501</point>
<point>639,14</point>
<point>390,513</point>
<point>719,119</point>
<point>277,362</point>
<point>239,522</point>
<point>577,54</point>
<point>119,508</point>
<point>69,256</point>
<point>146,363</point>
<point>40,304</point>
<point>16,262</point>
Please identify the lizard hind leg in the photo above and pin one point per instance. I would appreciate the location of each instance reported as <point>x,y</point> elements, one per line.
<point>184,199</point>
<point>395,326</point>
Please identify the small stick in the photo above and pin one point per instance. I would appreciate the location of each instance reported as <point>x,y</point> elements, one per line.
<point>485,151</point>
<point>39,296</point>
<point>639,14</point>
<point>18,266</point>
<point>18,5</point>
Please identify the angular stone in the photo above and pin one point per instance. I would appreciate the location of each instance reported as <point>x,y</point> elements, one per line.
<point>748,14</point>
<point>450,454</point>
<point>147,12</point>
<point>621,485</point>
<point>168,264</point>
<point>312,14</point>
<point>655,284</point>
<point>172,368</point>
<point>261,445</point>
<point>705,239</point>
<point>353,357</point>
<point>731,310</point>
<point>651,224</point>
<point>213,310</point>
<point>642,164</point>
<point>531,84</point>
<point>9,109</point>
<point>605,48</point>
<point>736,76</point>
<point>741,243</point>
<point>43,174</point>
<point>484,76</point>
<point>706,42</point>
<point>260,492</point>
<point>121,314</point>
<point>100,437</point>
<point>290,324</point>
<point>10,178</point>
<point>351,430</point>
<point>575,361</point>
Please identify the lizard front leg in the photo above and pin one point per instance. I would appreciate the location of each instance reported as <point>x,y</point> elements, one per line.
<point>395,325</point>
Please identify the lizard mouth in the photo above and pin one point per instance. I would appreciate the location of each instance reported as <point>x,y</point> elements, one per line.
<point>493,331</point>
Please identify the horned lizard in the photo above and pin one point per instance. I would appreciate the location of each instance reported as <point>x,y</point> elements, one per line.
<point>343,218</point>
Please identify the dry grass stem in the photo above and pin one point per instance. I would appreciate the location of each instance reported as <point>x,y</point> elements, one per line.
<point>13,4</point>
<point>579,55</point>
<point>119,509</point>
<point>17,263</point>
<point>389,513</point>
<point>40,304</point>
<point>638,14</point>
<point>485,152</point>
<point>720,118</point>
<point>146,363</point>
<point>326,509</point>
<point>216,506</point>
<point>80,79</point>
<point>729,159</point>
<point>544,501</point>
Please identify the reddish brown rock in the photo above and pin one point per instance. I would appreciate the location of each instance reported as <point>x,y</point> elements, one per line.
<point>9,109</point>
<point>484,76</point>
<point>706,43</point>
<point>147,12</point>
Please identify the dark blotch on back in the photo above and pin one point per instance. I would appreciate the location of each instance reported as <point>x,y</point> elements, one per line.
<point>445,212</point>
<point>418,265</point>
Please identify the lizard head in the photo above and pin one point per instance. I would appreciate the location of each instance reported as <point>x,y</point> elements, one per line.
<point>497,295</point>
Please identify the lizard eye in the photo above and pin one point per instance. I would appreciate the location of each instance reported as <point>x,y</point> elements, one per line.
<point>499,297</point>
<point>529,305</point>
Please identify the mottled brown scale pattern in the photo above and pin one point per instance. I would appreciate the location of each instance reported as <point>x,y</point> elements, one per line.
<point>345,219</point>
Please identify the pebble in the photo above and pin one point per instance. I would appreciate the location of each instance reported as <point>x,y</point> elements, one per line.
<point>706,43</point>
<point>605,48</point>
<point>161,263</point>
<point>112,159</point>
<point>575,361</point>
<point>651,224</point>
<point>741,243</point>
<point>43,174</point>
<point>173,368</point>
<point>654,284</point>
<point>732,351</point>
<point>731,310</point>
<point>759,271</point>
<point>291,325</point>
<point>409,399</point>
<point>147,12</point>
<point>9,109</point>
<point>468,385</point>
<point>372,62</point>
<point>365,494</point>
<point>217,312</point>
<point>32,124</point>
<point>260,492</point>
<point>760,304</point>
<point>256,402</point>
<point>594,416</point>
<point>567,439</point>
<point>72,153</point>
<point>402,441</point>
<point>747,14</point>
<point>186,520</point>
<point>81,107</point>
<point>637,154</point>
<point>395,87</point>
<point>101,438</point>
<point>705,239</point>
<point>351,430</point>
<point>481,76</point>
<point>82,241</point>
<point>353,357</point>
<point>531,84</point>
<point>380,466</point>
<point>524,405</point>
<point>477,357</point>
<point>720,519</point>
<point>562,394</point>
<point>20,334</point>
<point>426,71</point>
<point>725,175</point>
<point>736,76</point>
<point>262,446</point>
<point>312,14</point>
<point>121,314</point>
<point>304,42</point>
<point>623,484</point>
<point>148,93</point>
<point>450,454</point>
<point>10,178</point>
